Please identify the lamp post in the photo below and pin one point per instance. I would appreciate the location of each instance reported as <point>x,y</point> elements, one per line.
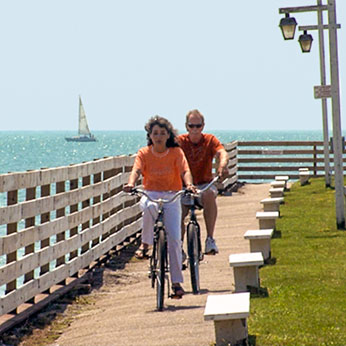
<point>324,91</point>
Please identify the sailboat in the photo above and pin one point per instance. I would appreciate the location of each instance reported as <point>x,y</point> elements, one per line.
<point>84,134</point>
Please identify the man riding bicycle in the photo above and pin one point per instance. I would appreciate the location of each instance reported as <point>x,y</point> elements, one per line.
<point>200,149</point>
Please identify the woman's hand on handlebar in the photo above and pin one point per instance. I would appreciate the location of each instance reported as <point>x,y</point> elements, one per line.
<point>128,188</point>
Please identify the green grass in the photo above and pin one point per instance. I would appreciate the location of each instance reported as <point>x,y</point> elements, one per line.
<point>307,284</point>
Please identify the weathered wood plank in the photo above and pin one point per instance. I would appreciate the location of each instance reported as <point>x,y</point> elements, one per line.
<point>279,143</point>
<point>34,260</point>
<point>36,286</point>
<point>273,169</point>
<point>42,205</point>
<point>23,180</point>
<point>36,233</point>
<point>30,194</point>
<point>278,152</point>
<point>12,198</point>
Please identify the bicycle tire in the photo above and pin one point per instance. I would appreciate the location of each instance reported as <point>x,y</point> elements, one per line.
<point>160,269</point>
<point>153,265</point>
<point>193,252</point>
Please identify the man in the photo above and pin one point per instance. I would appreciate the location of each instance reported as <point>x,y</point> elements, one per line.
<point>200,149</point>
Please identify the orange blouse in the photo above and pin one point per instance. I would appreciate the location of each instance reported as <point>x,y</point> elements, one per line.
<point>161,171</point>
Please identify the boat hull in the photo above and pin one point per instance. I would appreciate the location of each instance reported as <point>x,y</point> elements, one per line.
<point>80,139</point>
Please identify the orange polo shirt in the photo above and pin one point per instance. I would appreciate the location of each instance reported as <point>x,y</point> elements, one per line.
<point>200,156</point>
<point>161,172</point>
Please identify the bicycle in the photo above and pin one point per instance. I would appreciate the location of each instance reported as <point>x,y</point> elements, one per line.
<point>193,237</point>
<point>159,257</point>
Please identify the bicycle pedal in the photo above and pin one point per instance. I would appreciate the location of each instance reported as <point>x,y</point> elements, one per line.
<point>211,253</point>
<point>175,296</point>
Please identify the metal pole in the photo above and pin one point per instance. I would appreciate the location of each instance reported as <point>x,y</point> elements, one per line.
<point>337,139</point>
<point>324,100</point>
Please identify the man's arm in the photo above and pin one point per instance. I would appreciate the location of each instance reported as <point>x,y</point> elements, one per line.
<point>222,156</point>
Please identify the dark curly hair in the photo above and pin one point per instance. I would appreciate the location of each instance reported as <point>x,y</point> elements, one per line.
<point>164,123</point>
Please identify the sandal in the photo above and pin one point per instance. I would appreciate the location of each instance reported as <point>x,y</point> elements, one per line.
<point>141,254</point>
<point>178,292</point>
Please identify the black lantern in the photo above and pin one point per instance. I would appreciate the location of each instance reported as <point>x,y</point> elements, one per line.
<point>305,41</point>
<point>288,27</point>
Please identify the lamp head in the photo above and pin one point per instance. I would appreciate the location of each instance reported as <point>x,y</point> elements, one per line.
<point>305,41</point>
<point>288,27</point>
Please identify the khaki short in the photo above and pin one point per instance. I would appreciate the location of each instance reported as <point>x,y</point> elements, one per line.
<point>186,200</point>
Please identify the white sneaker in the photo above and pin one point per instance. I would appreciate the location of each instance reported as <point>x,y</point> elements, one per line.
<point>210,247</point>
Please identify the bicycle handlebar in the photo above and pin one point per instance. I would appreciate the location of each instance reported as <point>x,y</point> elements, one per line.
<point>209,185</point>
<point>136,191</point>
<point>160,200</point>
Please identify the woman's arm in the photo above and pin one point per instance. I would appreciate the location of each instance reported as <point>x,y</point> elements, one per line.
<point>132,180</point>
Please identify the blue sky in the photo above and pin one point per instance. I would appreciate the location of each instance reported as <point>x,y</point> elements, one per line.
<point>133,59</point>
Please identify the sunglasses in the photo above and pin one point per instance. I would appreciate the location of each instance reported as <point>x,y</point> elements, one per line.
<point>197,126</point>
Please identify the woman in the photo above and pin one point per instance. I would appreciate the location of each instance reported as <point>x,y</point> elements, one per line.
<point>163,166</point>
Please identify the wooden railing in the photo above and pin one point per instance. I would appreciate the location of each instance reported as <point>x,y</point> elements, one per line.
<point>56,222</point>
<point>263,160</point>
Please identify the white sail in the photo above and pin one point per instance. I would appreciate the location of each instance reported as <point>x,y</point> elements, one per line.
<point>83,128</point>
<point>84,134</point>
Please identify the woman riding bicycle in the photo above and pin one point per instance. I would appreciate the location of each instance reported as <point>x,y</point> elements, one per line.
<point>163,166</point>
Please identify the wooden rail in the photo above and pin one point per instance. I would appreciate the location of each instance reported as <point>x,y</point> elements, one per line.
<point>263,160</point>
<point>56,223</point>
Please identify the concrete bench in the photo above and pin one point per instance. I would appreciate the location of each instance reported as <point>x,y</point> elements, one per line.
<point>260,241</point>
<point>283,178</point>
<point>277,184</point>
<point>304,177</point>
<point>229,313</point>
<point>267,219</point>
<point>245,270</point>
<point>272,204</point>
<point>276,192</point>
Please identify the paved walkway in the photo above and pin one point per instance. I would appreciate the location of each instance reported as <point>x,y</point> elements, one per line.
<point>124,309</point>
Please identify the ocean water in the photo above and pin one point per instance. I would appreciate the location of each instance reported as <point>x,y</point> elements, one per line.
<point>28,150</point>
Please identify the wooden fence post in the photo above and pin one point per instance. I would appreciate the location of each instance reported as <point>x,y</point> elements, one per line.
<point>12,198</point>
<point>30,195</point>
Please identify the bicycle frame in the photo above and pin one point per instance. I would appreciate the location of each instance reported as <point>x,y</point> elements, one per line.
<point>193,238</point>
<point>159,257</point>
<point>192,212</point>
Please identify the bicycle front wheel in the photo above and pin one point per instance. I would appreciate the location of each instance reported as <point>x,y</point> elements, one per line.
<point>193,252</point>
<point>160,269</point>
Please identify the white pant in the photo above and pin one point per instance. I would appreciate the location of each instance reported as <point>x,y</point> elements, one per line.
<point>172,220</point>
